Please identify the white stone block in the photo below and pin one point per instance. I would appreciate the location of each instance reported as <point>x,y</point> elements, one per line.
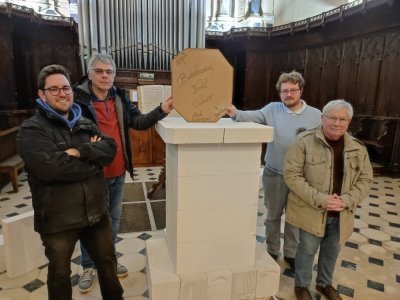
<point>217,159</point>
<point>219,285</point>
<point>236,190</point>
<point>163,283</point>
<point>178,131</point>
<point>244,282</point>
<point>215,255</point>
<point>258,133</point>
<point>193,286</point>
<point>2,255</point>
<point>24,253</point>
<point>216,224</point>
<point>268,273</point>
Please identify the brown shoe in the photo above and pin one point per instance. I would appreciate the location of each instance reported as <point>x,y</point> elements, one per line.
<point>329,292</point>
<point>302,293</point>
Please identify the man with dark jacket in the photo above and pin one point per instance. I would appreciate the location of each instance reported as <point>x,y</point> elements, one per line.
<point>64,155</point>
<point>111,109</point>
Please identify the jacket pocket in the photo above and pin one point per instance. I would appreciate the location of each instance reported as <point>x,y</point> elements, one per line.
<point>355,168</point>
<point>315,169</point>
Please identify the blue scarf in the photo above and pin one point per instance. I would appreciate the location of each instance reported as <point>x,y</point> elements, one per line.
<point>75,112</point>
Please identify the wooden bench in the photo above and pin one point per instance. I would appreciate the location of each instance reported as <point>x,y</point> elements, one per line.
<point>378,134</point>
<point>10,161</point>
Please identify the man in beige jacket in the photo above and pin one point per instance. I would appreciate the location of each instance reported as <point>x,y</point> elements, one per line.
<point>328,173</point>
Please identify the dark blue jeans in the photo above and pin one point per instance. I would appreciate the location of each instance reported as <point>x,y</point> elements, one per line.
<point>98,241</point>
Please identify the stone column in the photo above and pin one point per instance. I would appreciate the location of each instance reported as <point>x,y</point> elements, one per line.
<point>255,8</point>
<point>268,12</point>
<point>210,250</point>
<point>224,14</point>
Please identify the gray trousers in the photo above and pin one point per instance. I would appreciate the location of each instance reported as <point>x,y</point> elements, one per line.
<point>275,199</point>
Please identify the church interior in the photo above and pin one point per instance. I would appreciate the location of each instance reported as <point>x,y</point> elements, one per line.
<point>344,49</point>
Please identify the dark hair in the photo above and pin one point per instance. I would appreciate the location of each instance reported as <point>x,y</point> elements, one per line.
<point>51,70</point>
<point>292,77</point>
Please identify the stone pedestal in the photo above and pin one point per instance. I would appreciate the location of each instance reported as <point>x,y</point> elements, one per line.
<point>209,251</point>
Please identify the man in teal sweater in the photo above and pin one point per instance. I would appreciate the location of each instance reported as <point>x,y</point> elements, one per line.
<point>288,117</point>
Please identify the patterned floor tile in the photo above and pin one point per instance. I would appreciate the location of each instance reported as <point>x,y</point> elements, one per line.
<point>367,267</point>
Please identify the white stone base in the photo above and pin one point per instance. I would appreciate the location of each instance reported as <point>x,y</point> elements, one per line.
<point>259,281</point>
<point>23,250</point>
<point>2,255</point>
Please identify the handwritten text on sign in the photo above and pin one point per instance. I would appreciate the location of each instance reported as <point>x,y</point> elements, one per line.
<point>202,82</point>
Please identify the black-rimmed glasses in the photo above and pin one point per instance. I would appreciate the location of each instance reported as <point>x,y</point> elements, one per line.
<point>55,91</point>
<point>291,91</point>
<point>101,71</point>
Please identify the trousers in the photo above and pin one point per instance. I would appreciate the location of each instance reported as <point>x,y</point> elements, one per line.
<point>59,248</point>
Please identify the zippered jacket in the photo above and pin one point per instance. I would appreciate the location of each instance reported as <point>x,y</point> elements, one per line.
<point>128,114</point>
<point>67,192</point>
<point>308,173</point>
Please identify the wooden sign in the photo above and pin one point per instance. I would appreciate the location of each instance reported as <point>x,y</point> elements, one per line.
<point>202,84</point>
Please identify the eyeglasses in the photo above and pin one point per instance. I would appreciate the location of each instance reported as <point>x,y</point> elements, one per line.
<point>55,91</point>
<point>101,71</point>
<point>333,119</point>
<point>291,91</point>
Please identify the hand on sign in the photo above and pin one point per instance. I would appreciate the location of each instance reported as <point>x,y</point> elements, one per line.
<point>231,110</point>
<point>167,105</point>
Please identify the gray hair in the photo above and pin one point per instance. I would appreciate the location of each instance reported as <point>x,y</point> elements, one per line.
<point>337,104</point>
<point>104,58</point>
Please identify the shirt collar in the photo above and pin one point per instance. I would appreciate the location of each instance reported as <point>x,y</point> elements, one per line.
<point>300,110</point>
<point>111,93</point>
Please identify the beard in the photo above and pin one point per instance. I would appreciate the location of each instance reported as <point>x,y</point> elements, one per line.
<point>293,102</point>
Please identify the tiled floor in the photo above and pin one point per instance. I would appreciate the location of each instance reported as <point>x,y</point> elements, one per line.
<point>368,266</point>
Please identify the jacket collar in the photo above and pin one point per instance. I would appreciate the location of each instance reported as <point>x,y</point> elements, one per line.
<point>85,85</point>
<point>349,144</point>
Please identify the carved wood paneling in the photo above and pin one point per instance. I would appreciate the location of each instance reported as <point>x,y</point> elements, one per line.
<point>312,76</point>
<point>148,149</point>
<point>142,149</point>
<point>329,74</point>
<point>348,70</point>
<point>356,58</point>
<point>296,61</point>
<point>158,149</point>
<point>33,43</point>
<point>274,69</point>
<point>388,96</point>
<point>368,73</point>
<point>7,82</point>
<point>255,80</point>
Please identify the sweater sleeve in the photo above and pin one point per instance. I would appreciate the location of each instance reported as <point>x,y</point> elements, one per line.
<point>260,116</point>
